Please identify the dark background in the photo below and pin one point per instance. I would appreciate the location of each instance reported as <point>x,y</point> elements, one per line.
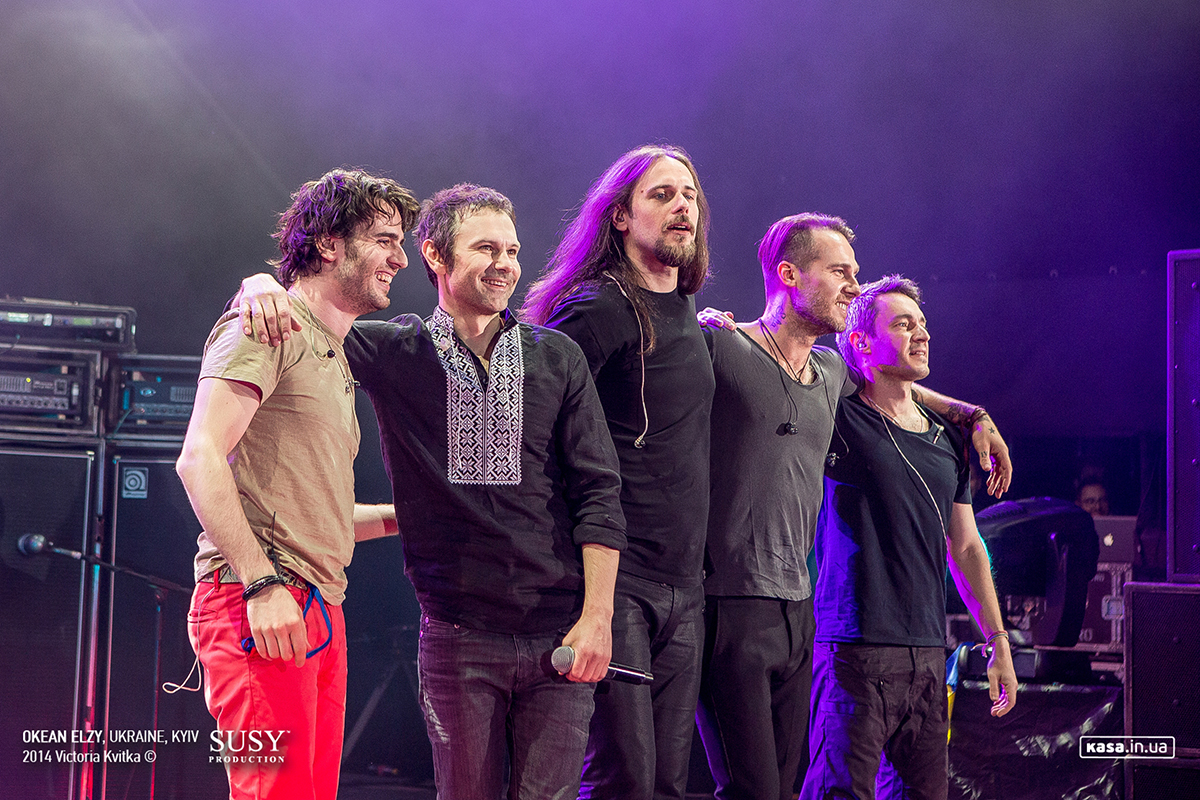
<point>1029,163</point>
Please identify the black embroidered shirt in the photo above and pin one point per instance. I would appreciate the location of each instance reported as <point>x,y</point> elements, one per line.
<point>498,476</point>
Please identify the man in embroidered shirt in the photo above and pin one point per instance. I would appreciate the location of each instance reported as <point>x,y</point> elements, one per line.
<point>507,495</point>
<point>267,465</point>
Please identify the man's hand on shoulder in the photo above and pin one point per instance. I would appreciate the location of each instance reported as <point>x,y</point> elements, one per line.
<point>993,453</point>
<point>711,318</point>
<point>266,310</point>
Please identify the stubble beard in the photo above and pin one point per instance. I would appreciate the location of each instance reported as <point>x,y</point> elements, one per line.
<point>356,285</point>
<point>818,315</point>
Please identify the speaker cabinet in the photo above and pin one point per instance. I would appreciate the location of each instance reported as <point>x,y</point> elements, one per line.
<point>1168,780</point>
<point>1183,417</point>
<point>1162,650</point>
<point>152,530</point>
<point>43,621</point>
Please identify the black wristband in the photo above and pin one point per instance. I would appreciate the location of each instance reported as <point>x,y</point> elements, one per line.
<point>262,583</point>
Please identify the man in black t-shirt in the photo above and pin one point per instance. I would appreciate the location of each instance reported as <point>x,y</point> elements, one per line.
<point>897,503</point>
<point>621,284</point>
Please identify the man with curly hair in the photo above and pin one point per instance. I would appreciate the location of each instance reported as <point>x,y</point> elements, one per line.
<point>267,464</point>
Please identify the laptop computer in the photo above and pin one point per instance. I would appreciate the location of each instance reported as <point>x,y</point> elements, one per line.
<point>1117,542</point>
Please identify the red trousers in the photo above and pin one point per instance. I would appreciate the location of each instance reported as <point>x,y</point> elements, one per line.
<point>254,699</point>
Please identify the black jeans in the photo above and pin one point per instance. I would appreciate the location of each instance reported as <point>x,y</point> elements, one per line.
<point>869,700</point>
<point>492,698</point>
<point>754,694</point>
<point>641,736</point>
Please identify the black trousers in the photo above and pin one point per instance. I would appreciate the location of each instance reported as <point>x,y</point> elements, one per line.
<point>869,700</point>
<point>641,736</point>
<point>754,694</point>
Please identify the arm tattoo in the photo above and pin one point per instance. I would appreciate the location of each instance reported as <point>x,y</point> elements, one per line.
<point>955,411</point>
<point>960,413</point>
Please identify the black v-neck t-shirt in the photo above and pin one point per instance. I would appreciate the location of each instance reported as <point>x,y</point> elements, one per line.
<point>881,545</point>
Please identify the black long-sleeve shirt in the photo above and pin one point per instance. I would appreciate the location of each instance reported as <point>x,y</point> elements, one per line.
<point>500,556</point>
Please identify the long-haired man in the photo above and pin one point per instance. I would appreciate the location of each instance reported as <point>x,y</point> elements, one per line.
<point>621,284</point>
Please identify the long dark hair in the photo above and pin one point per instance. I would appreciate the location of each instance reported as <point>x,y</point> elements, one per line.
<point>592,250</point>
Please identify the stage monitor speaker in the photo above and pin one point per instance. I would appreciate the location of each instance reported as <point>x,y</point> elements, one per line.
<point>44,646</point>
<point>1162,650</point>
<point>1162,780</point>
<point>1183,416</point>
<point>152,530</point>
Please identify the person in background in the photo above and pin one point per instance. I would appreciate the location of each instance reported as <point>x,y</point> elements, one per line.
<point>1092,497</point>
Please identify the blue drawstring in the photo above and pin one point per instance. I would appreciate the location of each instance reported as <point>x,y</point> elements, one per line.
<point>313,591</point>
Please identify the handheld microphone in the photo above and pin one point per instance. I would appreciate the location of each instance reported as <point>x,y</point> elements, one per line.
<point>564,657</point>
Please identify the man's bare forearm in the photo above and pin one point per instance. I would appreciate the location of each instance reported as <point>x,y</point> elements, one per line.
<point>374,522</point>
<point>599,580</point>
<point>957,411</point>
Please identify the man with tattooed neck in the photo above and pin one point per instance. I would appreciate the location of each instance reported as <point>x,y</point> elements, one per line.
<point>772,420</point>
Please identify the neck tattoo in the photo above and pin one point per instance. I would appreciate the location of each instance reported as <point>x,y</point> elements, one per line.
<point>801,376</point>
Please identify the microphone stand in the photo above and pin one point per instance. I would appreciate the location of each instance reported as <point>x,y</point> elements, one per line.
<point>35,545</point>
<point>153,580</point>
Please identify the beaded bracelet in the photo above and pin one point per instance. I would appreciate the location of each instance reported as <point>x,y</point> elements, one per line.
<point>262,583</point>
<point>987,647</point>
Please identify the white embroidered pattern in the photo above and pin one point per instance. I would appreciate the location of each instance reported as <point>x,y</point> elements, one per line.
<point>484,426</point>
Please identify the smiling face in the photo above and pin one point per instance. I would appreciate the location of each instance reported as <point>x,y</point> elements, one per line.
<point>821,292</point>
<point>659,226</point>
<point>365,263</point>
<point>482,272</point>
<point>898,345</point>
